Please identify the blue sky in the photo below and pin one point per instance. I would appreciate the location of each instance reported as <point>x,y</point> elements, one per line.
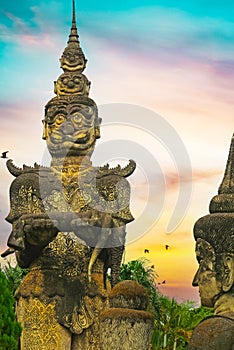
<point>172,32</point>
<point>174,57</point>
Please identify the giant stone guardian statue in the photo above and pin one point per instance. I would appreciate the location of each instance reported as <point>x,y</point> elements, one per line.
<point>68,220</point>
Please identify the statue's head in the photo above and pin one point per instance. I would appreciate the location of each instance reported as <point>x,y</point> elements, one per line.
<point>71,126</point>
<point>214,235</point>
<point>71,123</point>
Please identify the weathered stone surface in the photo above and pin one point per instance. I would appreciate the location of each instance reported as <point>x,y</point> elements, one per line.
<point>126,325</point>
<point>214,235</point>
<point>214,333</point>
<point>128,294</point>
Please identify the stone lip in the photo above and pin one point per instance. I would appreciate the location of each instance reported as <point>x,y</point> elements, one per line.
<point>119,313</point>
<point>222,203</point>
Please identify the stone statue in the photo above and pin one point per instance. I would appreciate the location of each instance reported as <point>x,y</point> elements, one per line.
<point>214,235</point>
<point>68,220</point>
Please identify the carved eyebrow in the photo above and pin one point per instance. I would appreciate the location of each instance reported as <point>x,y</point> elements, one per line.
<point>60,111</point>
<point>52,116</point>
<point>77,107</point>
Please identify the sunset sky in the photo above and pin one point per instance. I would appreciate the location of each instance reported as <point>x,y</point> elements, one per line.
<point>164,59</point>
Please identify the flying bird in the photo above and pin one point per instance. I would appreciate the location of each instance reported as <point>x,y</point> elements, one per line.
<point>4,154</point>
<point>146,251</point>
<point>163,282</point>
<point>167,246</point>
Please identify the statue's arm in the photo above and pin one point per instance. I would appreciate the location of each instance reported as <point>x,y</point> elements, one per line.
<point>30,234</point>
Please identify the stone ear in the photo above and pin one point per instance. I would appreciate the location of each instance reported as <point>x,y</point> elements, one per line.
<point>228,276</point>
<point>97,132</point>
<point>45,132</point>
<point>97,128</point>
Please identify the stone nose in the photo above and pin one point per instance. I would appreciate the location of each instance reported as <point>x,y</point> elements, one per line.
<point>195,279</point>
<point>71,84</point>
<point>67,128</point>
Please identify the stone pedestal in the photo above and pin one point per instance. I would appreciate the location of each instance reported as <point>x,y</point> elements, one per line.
<point>126,325</point>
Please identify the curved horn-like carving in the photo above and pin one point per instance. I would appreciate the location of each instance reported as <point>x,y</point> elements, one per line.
<point>14,170</point>
<point>28,168</point>
<point>124,172</point>
<point>129,169</point>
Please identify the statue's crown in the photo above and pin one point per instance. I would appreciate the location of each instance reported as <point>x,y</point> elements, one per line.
<point>224,201</point>
<point>73,63</point>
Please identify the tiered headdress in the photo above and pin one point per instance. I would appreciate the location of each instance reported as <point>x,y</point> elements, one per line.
<point>217,228</point>
<point>73,63</point>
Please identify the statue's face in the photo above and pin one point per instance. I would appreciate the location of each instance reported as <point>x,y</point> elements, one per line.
<point>206,276</point>
<point>73,59</point>
<point>69,129</point>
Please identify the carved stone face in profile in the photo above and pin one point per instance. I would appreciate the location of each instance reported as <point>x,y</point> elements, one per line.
<point>214,236</point>
<point>206,276</point>
<point>71,127</point>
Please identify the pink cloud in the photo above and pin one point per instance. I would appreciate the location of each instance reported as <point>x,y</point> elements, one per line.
<point>40,41</point>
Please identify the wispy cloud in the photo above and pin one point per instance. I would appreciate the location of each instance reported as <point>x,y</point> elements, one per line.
<point>160,31</point>
<point>22,35</point>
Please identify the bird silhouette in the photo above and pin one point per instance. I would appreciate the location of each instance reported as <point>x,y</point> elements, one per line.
<point>167,246</point>
<point>146,251</point>
<point>163,282</point>
<point>4,154</point>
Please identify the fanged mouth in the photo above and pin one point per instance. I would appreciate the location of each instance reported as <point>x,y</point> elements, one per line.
<point>79,138</point>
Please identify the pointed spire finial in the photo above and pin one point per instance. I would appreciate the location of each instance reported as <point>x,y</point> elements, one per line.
<point>73,58</point>
<point>73,14</point>
<point>73,63</point>
<point>73,37</point>
<point>224,201</point>
<point>227,185</point>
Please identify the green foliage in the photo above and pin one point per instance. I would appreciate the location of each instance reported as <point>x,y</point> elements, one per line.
<point>14,275</point>
<point>9,328</point>
<point>143,272</point>
<point>177,322</point>
<point>174,322</point>
<point>140,271</point>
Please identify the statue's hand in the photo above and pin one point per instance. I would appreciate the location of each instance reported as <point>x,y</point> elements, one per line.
<point>39,229</point>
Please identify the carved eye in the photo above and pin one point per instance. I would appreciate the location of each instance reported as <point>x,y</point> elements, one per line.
<point>88,112</point>
<point>60,118</point>
<point>65,81</point>
<point>77,118</point>
<point>77,80</point>
<point>49,119</point>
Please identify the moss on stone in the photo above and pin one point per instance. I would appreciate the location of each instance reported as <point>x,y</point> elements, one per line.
<point>130,314</point>
<point>128,288</point>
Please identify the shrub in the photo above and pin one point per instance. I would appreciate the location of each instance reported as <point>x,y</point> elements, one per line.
<point>10,329</point>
